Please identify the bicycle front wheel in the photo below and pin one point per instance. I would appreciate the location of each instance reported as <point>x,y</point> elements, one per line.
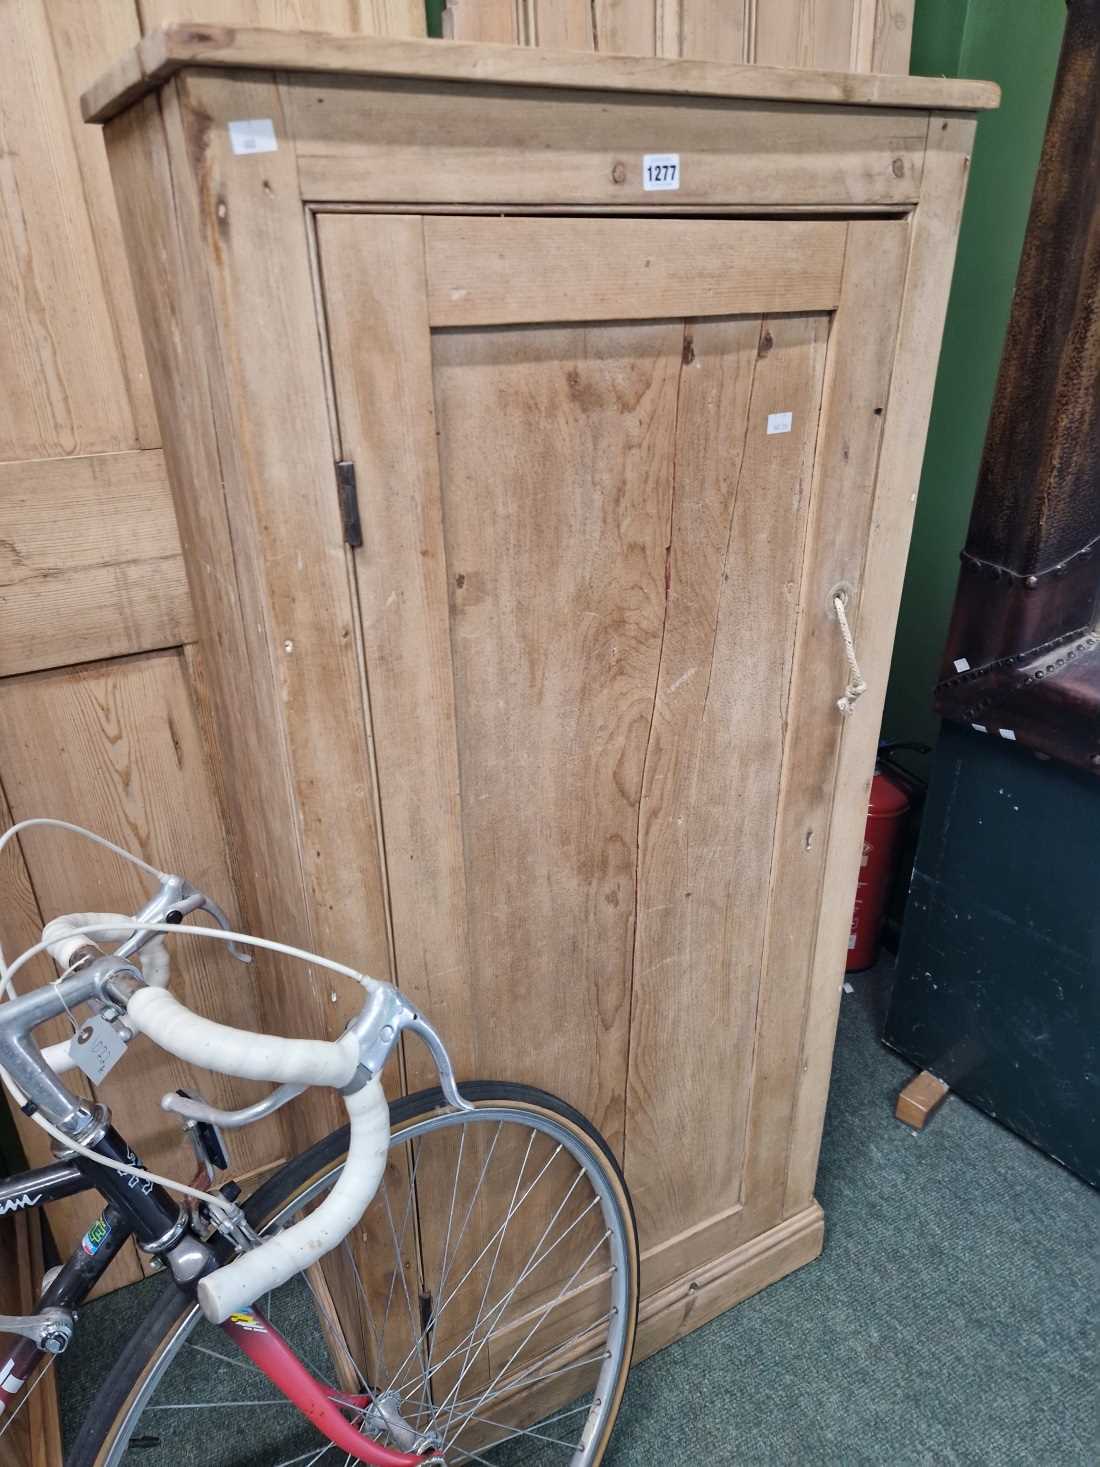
<point>486,1305</point>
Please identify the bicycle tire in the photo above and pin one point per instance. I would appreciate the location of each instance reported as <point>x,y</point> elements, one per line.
<point>134,1377</point>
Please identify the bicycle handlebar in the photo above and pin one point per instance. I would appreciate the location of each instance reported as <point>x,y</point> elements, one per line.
<point>241,1052</point>
<point>238,1284</point>
<point>350,1064</point>
<point>250,1056</point>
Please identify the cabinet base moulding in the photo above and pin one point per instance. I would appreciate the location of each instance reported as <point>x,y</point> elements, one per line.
<point>703,1294</point>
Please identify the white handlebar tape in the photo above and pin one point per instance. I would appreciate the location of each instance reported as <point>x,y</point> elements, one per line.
<point>58,1058</point>
<point>240,1052</point>
<point>63,946</point>
<point>278,1259</point>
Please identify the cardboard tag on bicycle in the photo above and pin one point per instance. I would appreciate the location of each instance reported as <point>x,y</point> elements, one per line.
<point>96,1047</point>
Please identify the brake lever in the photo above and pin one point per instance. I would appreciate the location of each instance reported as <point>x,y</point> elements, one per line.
<point>176,899</point>
<point>210,906</point>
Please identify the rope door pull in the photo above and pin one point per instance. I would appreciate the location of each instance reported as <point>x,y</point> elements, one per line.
<point>839,598</point>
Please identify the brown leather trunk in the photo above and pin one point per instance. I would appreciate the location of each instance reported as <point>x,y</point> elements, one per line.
<point>1023,651</point>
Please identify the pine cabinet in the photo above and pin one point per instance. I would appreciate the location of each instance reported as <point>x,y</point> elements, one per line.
<point>525,412</point>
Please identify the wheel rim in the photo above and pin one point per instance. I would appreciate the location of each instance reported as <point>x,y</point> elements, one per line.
<point>499,1335</point>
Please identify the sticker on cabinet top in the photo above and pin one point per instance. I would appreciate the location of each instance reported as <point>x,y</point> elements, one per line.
<point>780,422</point>
<point>660,170</point>
<point>253,135</point>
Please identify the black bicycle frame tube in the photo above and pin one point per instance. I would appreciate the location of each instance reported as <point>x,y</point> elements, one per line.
<point>68,1288</point>
<point>151,1211</point>
<point>135,1207</point>
<point>41,1185</point>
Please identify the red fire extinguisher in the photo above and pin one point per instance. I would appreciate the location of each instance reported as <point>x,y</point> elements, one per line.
<point>885,822</point>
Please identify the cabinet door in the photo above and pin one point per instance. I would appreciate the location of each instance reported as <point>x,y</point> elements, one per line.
<point>609,471</point>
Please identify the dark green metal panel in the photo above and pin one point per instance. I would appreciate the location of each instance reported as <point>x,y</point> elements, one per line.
<point>998,975</point>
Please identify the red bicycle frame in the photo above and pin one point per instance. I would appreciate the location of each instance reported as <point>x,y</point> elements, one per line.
<point>266,1348</point>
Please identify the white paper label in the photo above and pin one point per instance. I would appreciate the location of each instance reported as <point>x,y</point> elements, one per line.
<point>779,422</point>
<point>253,135</point>
<point>97,1047</point>
<point>660,170</point>
<point>961,664</point>
<point>979,728</point>
<point>1006,733</point>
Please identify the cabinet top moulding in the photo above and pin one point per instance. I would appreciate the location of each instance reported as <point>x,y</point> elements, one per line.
<point>194,43</point>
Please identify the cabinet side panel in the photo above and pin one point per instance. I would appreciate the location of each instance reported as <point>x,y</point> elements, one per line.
<point>931,259</point>
<point>277,457</point>
<point>161,210</point>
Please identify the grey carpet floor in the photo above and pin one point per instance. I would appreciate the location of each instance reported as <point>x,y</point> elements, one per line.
<point>953,1318</point>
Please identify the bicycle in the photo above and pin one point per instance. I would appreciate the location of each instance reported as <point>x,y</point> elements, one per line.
<point>499,1328</point>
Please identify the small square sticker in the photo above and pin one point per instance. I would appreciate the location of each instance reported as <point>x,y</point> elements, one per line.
<point>961,664</point>
<point>660,170</point>
<point>780,422</point>
<point>1007,733</point>
<point>253,135</point>
<point>979,728</point>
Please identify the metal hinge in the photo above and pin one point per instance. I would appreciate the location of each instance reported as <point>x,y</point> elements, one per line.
<point>347,492</point>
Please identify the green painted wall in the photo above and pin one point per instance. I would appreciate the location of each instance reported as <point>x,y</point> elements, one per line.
<point>1015,43</point>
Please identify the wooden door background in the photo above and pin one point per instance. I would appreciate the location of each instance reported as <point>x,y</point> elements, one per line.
<point>101,686</point>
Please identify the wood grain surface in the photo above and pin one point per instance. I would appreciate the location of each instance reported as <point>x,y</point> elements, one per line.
<point>866,35</point>
<point>178,45</point>
<point>116,747</point>
<point>485,272</point>
<point>90,561</point>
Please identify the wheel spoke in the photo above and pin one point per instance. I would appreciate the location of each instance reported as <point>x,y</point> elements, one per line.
<point>500,1308</point>
<point>473,1266</point>
<point>313,1454</point>
<point>215,1405</point>
<point>335,1331</point>
<point>399,1244</point>
<point>524,1377</point>
<point>518,1431</point>
<point>496,1256</point>
<point>226,1359</point>
<point>28,1393</point>
<point>542,1313</point>
<point>492,1286</point>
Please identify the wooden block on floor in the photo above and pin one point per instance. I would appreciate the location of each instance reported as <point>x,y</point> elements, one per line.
<point>920,1099</point>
